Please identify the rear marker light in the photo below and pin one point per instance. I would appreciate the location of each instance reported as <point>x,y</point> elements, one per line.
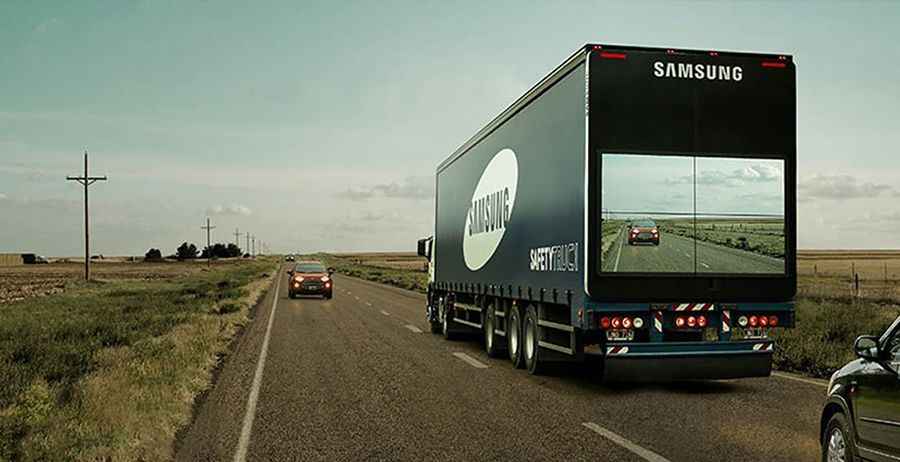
<point>638,323</point>
<point>626,323</point>
<point>610,55</point>
<point>701,321</point>
<point>773,321</point>
<point>753,321</point>
<point>616,323</point>
<point>742,321</point>
<point>604,322</point>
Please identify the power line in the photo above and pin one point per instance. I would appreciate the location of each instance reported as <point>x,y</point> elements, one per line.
<point>86,181</point>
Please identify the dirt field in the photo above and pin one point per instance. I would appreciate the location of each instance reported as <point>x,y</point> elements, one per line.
<point>25,281</point>
<point>834,273</point>
<point>392,260</point>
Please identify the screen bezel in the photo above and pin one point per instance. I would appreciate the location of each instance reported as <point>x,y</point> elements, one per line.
<point>693,156</point>
<point>712,287</point>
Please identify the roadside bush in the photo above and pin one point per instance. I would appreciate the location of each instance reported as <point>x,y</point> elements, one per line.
<point>822,342</point>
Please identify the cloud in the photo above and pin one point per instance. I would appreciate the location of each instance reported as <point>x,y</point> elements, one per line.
<point>355,195</point>
<point>3,197</point>
<point>413,187</point>
<point>47,25</point>
<point>841,187</point>
<point>749,174</point>
<point>233,209</point>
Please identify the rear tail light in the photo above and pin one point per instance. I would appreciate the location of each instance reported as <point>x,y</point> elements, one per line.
<point>611,55</point>
<point>701,321</point>
<point>679,322</point>
<point>604,322</point>
<point>763,321</point>
<point>616,322</point>
<point>754,321</point>
<point>773,321</point>
<point>691,321</point>
<point>626,323</point>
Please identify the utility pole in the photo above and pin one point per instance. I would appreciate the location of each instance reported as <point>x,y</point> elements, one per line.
<point>247,249</point>
<point>86,181</point>
<point>237,237</point>
<point>209,254</point>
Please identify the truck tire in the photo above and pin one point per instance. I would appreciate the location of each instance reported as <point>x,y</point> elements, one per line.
<point>446,322</point>
<point>493,344</point>
<point>531,351</point>
<point>514,337</point>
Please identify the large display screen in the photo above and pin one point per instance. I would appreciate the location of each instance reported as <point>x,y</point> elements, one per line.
<point>691,215</point>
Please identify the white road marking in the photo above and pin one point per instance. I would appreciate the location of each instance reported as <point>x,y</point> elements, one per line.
<point>618,254</point>
<point>413,328</point>
<point>368,304</point>
<point>642,452</point>
<point>385,313</point>
<point>472,361</point>
<point>687,255</point>
<point>356,297</point>
<point>704,265</point>
<point>240,455</point>
<point>816,382</point>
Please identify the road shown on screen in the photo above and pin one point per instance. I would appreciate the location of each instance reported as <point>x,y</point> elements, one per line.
<point>675,254</point>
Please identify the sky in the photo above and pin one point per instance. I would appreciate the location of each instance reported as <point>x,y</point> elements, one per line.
<point>318,126</point>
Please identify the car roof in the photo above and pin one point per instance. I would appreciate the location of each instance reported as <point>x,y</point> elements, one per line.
<point>309,262</point>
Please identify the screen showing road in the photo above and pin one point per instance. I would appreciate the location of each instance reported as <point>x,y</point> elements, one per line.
<point>692,214</point>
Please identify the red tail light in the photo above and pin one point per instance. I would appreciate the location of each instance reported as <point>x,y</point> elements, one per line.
<point>616,323</point>
<point>691,321</point>
<point>679,322</point>
<point>754,321</point>
<point>611,55</point>
<point>763,321</point>
<point>773,321</point>
<point>701,321</point>
<point>626,323</point>
<point>604,322</point>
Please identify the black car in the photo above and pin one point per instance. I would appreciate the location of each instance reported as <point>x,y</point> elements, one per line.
<point>861,420</point>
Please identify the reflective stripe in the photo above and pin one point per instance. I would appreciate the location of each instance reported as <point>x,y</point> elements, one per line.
<point>726,321</point>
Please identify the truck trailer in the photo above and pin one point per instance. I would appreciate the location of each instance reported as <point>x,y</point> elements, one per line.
<point>637,205</point>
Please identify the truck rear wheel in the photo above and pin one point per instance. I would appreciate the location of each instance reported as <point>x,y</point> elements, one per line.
<point>446,321</point>
<point>514,337</point>
<point>530,348</point>
<point>493,344</point>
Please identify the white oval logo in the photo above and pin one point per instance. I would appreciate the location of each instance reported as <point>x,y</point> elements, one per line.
<point>490,209</point>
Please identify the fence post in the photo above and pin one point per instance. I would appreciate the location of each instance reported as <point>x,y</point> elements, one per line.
<point>856,282</point>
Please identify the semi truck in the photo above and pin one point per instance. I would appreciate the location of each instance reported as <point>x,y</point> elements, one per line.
<point>635,206</point>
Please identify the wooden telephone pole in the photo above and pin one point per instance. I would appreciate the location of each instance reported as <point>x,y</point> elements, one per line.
<point>209,253</point>
<point>86,181</point>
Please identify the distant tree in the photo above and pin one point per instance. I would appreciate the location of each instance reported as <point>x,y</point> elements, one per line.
<point>186,251</point>
<point>233,251</point>
<point>153,254</point>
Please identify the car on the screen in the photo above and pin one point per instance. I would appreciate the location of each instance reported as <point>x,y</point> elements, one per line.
<point>861,416</point>
<point>643,231</point>
<point>288,258</point>
<point>310,278</point>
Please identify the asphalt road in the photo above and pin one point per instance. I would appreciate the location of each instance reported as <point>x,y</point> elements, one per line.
<point>360,377</point>
<point>676,254</point>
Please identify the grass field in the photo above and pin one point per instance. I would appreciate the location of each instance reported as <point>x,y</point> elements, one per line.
<point>108,370</point>
<point>829,314</point>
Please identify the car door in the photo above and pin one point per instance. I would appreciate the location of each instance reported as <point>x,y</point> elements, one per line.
<point>877,401</point>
